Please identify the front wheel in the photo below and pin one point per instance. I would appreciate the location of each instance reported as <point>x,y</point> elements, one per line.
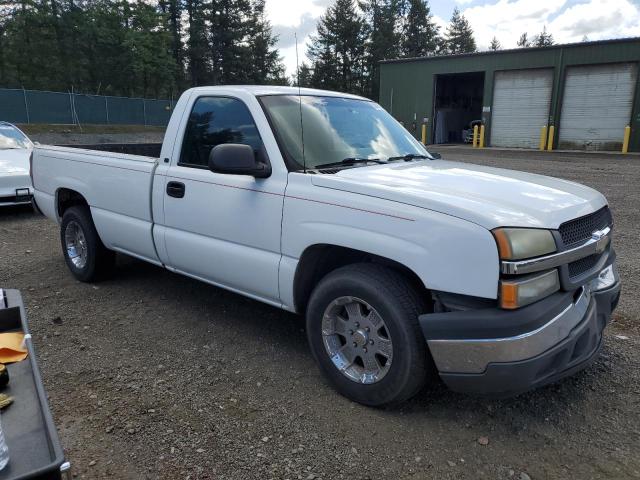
<point>362,327</point>
<point>85,254</point>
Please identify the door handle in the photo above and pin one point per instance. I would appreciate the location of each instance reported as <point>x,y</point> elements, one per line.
<point>175,189</point>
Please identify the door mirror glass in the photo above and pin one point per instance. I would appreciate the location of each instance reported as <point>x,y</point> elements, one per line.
<point>436,156</point>
<point>237,159</point>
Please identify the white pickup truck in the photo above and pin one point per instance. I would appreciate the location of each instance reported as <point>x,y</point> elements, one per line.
<point>405,265</point>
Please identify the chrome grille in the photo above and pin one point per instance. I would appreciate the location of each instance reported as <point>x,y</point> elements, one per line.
<point>580,229</point>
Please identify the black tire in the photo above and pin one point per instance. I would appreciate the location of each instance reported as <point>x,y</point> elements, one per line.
<point>393,297</point>
<point>100,261</point>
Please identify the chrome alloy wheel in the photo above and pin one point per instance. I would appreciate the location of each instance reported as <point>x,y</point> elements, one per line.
<point>76,244</point>
<point>357,340</point>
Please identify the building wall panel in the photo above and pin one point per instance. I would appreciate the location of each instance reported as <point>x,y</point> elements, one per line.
<point>521,103</point>
<point>596,106</point>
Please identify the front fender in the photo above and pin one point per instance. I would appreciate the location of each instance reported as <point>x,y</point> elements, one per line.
<point>445,252</point>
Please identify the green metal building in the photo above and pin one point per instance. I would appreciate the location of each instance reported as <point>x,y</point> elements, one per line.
<point>588,92</point>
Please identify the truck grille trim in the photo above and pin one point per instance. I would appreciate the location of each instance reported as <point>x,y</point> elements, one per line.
<point>580,229</point>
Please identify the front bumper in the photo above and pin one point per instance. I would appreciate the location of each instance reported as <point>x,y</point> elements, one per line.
<point>504,353</point>
<point>20,193</point>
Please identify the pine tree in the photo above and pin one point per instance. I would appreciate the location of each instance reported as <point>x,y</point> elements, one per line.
<point>523,41</point>
<point>421,35</point>
<point>172,11</point>
<point>196,43</point>
<point>383,38</point>
<point>337,50</point>
<point>136,47</point>
<point>495,44</point>
<point>228,33</point>
<point>267,66</point>
<point>303,77</point>
<point>459,36</point>
<point>151,60</point>
<point>543,39</point>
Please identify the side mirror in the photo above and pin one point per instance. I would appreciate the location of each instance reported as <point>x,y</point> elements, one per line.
<point>237,159</point>
<point>436,156</point>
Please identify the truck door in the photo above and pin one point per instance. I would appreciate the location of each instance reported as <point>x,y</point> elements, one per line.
<point>224,229</point>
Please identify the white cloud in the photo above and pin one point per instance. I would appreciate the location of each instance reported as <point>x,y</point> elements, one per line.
<point>442,23</point>
<point>298,17</point>
<point>507,20</point>
<point>598,19</point>
<point>286,12</point>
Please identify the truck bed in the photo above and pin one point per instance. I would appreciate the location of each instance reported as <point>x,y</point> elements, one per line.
<point>117,187</point>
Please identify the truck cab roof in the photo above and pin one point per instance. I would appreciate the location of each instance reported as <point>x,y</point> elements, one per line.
<point>260,90</point>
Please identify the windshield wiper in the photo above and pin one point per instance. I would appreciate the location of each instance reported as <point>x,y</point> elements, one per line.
<point>348,162</point>
<point>409,156</point>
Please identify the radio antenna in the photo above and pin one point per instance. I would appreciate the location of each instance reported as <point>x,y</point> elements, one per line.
<point>304,162</point>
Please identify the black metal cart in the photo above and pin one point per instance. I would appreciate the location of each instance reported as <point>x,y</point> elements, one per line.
<point>29,431</point>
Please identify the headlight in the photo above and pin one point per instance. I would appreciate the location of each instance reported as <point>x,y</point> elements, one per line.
<point>528,289</point>
<point>520,243</point>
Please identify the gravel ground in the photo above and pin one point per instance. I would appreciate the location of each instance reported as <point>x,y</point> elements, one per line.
<point>154,375</point>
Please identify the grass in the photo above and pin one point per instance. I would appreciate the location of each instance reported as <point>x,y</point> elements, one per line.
<point>35,128</point>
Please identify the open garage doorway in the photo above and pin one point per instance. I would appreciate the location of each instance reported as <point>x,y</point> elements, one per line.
<point>457,106</point>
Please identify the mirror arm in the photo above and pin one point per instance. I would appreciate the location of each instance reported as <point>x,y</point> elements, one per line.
<point>263,171</point>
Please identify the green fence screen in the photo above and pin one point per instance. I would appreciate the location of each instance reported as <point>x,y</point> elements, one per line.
<point>31,106</point>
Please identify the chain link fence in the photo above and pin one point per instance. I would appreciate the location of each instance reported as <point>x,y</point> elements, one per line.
<point>32,106</point>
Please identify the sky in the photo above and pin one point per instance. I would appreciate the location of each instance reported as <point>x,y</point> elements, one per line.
<point>567,20</point>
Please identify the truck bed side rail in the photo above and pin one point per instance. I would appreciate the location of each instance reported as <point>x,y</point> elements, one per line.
<point>143,149</point>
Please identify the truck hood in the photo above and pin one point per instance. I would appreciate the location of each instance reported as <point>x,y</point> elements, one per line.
<point>14,161</point>
<point>490,197</point>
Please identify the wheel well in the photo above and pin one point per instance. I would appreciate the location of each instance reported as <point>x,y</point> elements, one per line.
<point>66,198</point>
<point>319,260</point>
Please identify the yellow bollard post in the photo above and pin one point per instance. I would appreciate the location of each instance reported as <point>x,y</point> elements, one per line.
<point>475,136</point>
<point>481,137</point>
<point>543,137</point>
<point>424,133</point>
<point>627,136</point>
<point>552,130</point>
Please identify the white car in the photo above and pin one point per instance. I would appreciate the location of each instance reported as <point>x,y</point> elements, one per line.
<point>321,203</point>
<point>15,149</point>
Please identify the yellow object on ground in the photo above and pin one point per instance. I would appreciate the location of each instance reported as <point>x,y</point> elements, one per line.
<point>475,136</point>
<point>12,347</point>
<point>5,400</point>
<point>552,131</point>
<point>625,141</point>
<point>424,133</point>
<point>543,138</point>
<point>481,136</point>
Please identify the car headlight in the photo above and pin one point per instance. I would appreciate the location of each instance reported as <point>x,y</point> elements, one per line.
<point>516,293</point>
<point>520,243</point>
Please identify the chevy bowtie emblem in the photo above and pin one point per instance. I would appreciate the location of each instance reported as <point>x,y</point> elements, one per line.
<point>601,238</point>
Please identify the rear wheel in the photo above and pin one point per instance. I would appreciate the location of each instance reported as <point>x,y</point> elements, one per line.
<point>85,254</point>
<point>362,326</point>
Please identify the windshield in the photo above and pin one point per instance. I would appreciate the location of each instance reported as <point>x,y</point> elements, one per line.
<point>337,130</point>
<point>11,137</point>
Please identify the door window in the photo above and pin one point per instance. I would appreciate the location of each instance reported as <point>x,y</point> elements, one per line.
<point>214,121</point>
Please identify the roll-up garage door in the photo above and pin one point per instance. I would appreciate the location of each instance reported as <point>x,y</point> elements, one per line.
<point>521,101</point>
<point>596,106</point>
